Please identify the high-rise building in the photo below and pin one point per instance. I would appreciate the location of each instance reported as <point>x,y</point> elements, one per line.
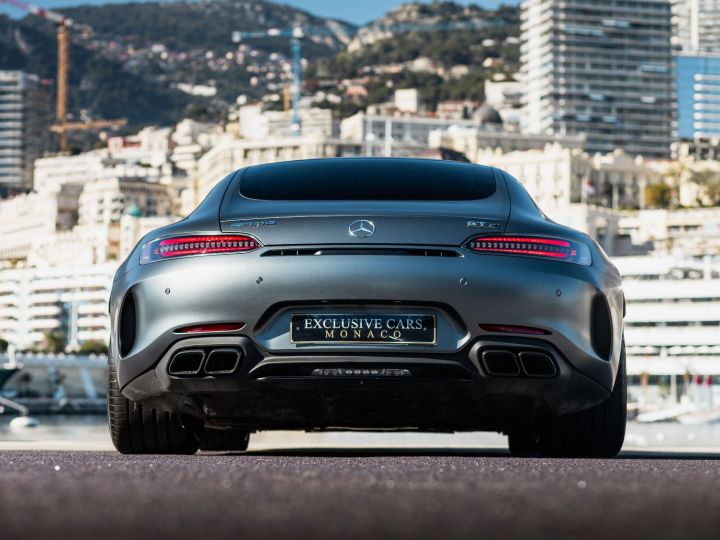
<point>698,95</point>
<point>696,25</point>
<point>25,114</point>
<point>600,68</point>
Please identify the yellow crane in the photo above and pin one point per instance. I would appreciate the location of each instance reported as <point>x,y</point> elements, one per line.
<point>62,126</point>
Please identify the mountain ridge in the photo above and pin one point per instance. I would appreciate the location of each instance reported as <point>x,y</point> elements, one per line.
<point>140,55</point>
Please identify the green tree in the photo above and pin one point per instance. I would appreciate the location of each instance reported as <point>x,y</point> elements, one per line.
<point>3,345</point>
<point>709,181</point>
<point>658,195</point>
<point>55,342</point>
<point>93,346</point>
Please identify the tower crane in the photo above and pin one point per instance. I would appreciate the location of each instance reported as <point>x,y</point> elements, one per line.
<point>62,126</point>
<point>297,33</point>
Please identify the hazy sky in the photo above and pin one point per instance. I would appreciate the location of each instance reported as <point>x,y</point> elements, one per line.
<point>354,11</point>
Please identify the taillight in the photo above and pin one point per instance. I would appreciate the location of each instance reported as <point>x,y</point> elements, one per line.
<point>532,246</point>
<point>187,246</point>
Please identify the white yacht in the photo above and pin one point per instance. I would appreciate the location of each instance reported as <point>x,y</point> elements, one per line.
<point>672,330</point>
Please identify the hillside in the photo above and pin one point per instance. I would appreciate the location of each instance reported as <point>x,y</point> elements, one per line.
<point>154,62</point>
<point>461,46</point>
<point>138,54</point>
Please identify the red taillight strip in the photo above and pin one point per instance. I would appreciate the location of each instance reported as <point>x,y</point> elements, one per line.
<point>195,245</point>
<point>535,246</point>
<point>202,244</point>
<point>526,239</point>
<point>512,329</point>
<point>207,328</point>
<point>525,252</point>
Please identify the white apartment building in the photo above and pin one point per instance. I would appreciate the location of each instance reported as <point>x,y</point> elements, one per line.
<point>256,123</point>
<point>60,245</point>
<point>600,68</point>
<point>104,201</point>
<point>476,142</point>
<point>83,244</point>
<point>696,25</point>
<point>556,176</point>
<point>77,224</point>
<point>506,97</point>
<point>68,299</point>
<point>189,141</point>
<point>127,163</point>
<point>27,219</point>
<point>387,129</point>
<point>66,283</point>
<point>693,232</point>
<point>25,116</point>
<point>51,173</point>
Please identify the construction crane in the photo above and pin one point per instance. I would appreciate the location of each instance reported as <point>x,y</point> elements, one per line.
<point>62,126</point>
<point>297,33</point>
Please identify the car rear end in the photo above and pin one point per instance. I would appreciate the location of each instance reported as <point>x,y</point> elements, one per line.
<point>368,294</point>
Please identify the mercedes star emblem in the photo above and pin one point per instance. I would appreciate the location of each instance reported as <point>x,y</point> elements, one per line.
<point>362,228</point>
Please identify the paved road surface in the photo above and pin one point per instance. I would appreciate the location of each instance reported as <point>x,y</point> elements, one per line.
<point>371,494</point>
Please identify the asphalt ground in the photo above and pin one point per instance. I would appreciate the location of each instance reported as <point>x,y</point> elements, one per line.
<point>372,493</point>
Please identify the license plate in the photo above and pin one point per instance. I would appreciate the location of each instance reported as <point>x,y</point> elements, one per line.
<point>384,328</point>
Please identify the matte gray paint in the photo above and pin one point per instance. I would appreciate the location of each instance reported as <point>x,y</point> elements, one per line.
<point>500,289</point>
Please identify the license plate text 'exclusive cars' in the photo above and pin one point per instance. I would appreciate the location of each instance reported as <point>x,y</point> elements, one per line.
<point>363,328</point>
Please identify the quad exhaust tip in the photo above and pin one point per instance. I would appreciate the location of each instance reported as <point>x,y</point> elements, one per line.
<point>222,361</point>
<point>187,362</point>
<point>537,364</point>
<point>504,363</point>
<point>198,362</point>
<point>501,363</point>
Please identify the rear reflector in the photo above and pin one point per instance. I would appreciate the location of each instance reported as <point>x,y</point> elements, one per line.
<point>187,246</point>
<point>510,329</point>
<point>207,328</point>
<point>532,246</point>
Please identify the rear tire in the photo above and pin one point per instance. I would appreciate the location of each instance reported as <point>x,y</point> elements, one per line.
<point>137,429</point>
<point>597,432</point>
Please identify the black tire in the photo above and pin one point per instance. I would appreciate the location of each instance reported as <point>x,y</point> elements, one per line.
<point>597,432</point>
<point>136,429</point>
<point>228,440</point>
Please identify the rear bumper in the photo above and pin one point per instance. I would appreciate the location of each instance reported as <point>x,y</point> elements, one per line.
<point>429,392</point>
<point>462,292</point>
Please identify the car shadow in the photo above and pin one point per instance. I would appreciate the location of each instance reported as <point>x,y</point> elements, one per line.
<point>379,452</point>
<point>458,452</point>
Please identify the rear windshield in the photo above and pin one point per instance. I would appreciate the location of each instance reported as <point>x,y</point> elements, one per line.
<point>354,179</point>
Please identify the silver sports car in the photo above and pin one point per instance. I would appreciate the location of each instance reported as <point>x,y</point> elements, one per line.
<point>370,294</point>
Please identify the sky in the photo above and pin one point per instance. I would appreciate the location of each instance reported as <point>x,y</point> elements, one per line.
<point>358,12</point>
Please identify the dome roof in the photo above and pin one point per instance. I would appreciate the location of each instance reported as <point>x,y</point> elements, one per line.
<point>488,115</point>
<point>133,210</point>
